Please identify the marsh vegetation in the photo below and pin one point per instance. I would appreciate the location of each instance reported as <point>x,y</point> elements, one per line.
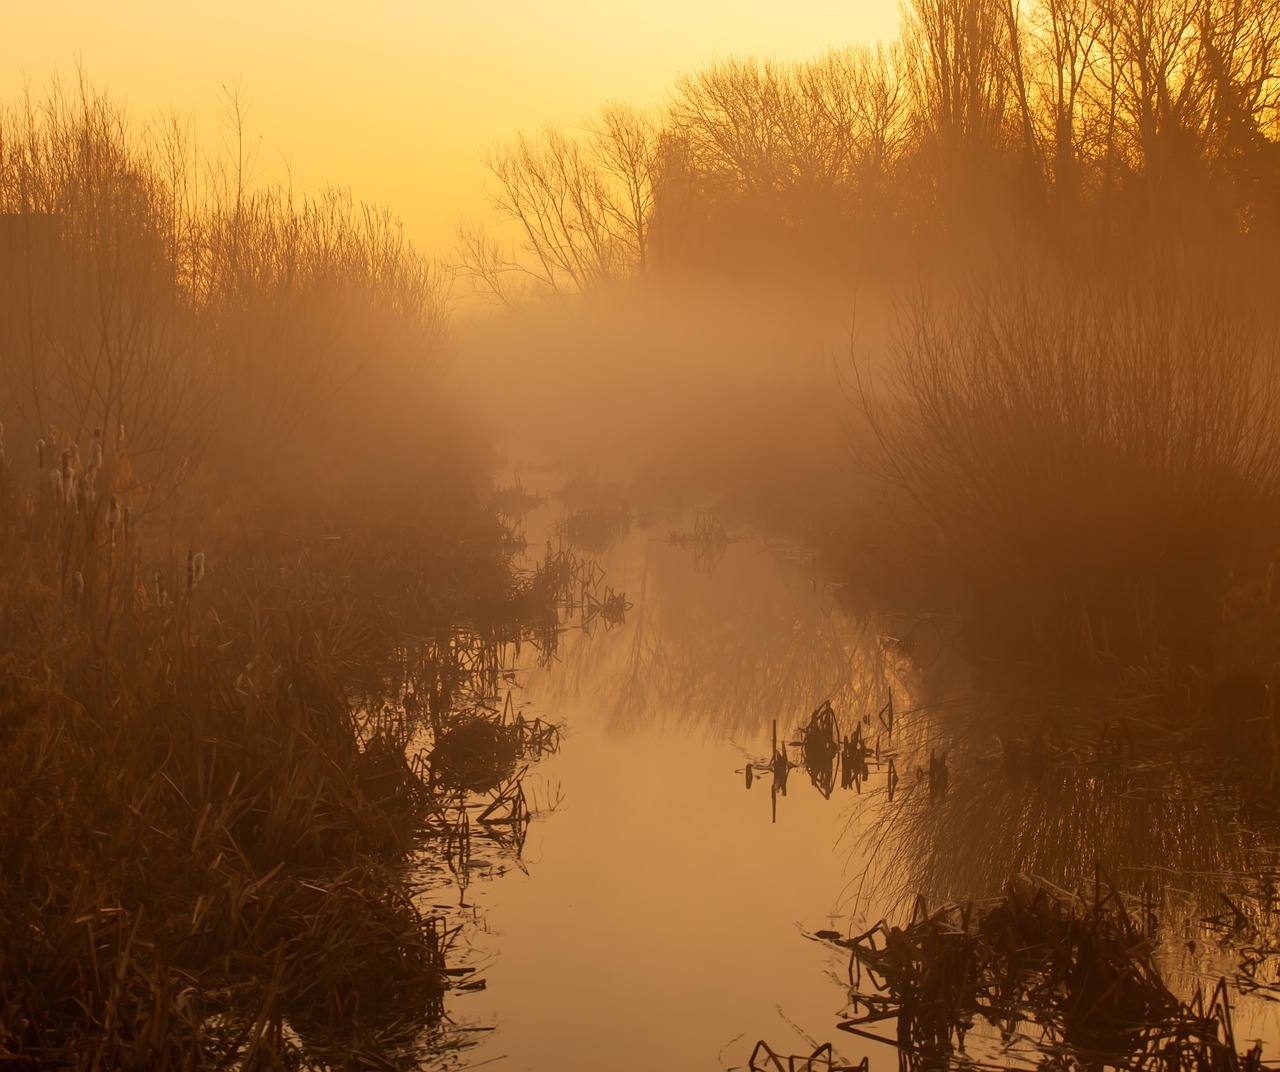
<point>904,416</point>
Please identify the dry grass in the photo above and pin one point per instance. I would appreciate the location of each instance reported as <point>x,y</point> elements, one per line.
<point>223,560</point>
<point>1085,466</point>
<point>200,839</point>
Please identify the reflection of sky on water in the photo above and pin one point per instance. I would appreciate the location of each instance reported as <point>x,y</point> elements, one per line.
<point>656,925</point>
<point>721,653</point>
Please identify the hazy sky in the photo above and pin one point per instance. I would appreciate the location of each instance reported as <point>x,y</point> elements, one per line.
<point>397,99</point>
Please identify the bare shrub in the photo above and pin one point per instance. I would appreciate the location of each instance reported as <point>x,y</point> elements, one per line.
<point>1091,462</point>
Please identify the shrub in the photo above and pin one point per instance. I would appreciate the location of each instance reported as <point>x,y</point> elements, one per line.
<point>1082,466</point>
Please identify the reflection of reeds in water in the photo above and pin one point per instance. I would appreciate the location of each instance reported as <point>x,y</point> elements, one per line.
<point>827,757</point>
<point>709,541</point>
<point>610,608</point>
<point>822,1059</point>
<point>564,592</point>
<point>470,762</point>
<point>1233,933</point>
<point>594,529</point>
<point>973,811</point>
<point>514,500</point>
<point>986,794</point>
<point>1058,978</point>
<point>730,652</point>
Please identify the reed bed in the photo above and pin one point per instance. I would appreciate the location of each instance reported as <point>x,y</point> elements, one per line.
<point>244,557</point>
<point>200,820</point>
<point>1082,462</point>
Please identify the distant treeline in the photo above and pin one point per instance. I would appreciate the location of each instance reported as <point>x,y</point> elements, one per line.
<point>160,298</point>
<point>1053,116</point>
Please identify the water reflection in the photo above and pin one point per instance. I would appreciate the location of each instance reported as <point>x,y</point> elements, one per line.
<point>655,898</point>
<point>1055,979</point>
<point>901,775</point>
<point>727,653</point>
<point>709,541</point>
<point>999,785</point>
<point>455,745</point>
<point>475,765</point>
<point>826,756</point>
<point>594,529</point>
<point>822,1059</point>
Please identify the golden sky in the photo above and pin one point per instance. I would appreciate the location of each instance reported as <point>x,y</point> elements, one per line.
<point>396,100</point>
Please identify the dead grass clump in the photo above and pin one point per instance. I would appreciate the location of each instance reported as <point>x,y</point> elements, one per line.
<point>356,950</point>
<point>475,754</point>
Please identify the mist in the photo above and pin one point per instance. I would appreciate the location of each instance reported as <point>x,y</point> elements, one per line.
<point>841,497</point>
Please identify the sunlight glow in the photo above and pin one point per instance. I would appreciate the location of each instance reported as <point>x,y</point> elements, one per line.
<point>397,99</point>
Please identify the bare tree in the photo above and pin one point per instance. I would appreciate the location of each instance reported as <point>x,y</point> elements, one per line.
<point>958,49</point>
<point>580,204</point>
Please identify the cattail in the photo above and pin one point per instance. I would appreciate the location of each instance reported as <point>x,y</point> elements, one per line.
<point>113,518</point>
<point>74,450</point>
<point>55,481</point>
<point>160,597</point>
<point>190,573</point>
<point>91,483</point>
<point>120,436</point>
<point>77,492</point>
<point>40,454</point>
<point>197,568</point>
<point>95,450</point>
<point>77,586</point>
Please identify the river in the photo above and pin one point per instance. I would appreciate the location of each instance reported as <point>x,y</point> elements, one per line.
<point>659,908</point>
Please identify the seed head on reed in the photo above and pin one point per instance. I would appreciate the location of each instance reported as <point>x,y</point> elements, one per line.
<point>40,454</point>
<point>95,450</point>
<point>77,586</point>
<point>160,595</point>
<point>195,570</point>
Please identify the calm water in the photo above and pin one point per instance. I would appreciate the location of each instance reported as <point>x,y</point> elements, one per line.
<point>655,914</point>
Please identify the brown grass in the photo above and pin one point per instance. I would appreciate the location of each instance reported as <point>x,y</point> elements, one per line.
<point>1085,466</point>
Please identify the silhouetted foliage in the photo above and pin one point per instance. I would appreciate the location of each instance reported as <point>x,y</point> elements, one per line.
<point>986,119</point>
